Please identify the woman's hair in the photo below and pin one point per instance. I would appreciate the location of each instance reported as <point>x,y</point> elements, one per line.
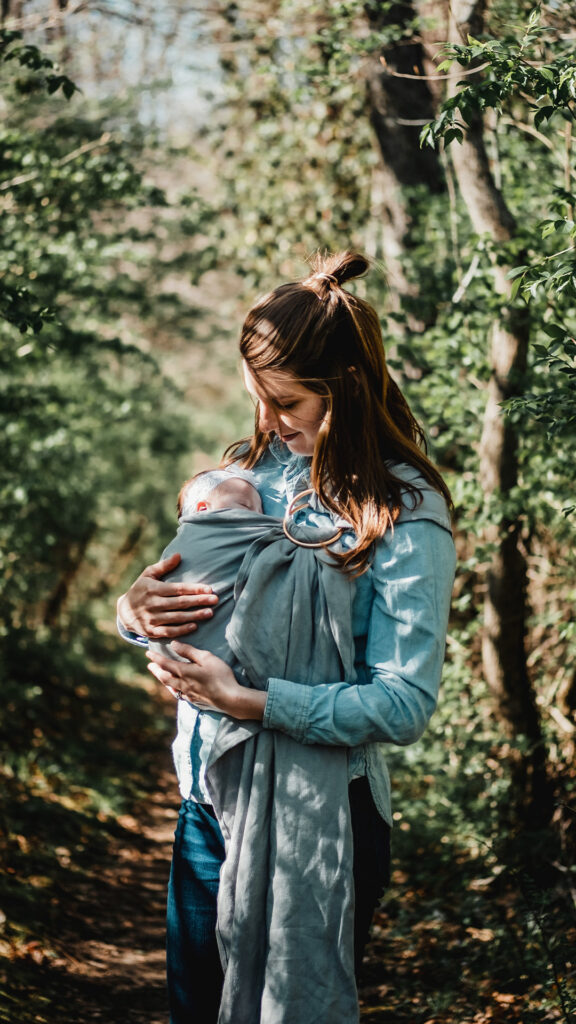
<point>331,341</point>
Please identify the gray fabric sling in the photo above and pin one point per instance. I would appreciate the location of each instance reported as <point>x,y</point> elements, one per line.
<point>285,905</point>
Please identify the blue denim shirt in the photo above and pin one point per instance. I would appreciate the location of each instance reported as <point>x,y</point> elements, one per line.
<point>400,618</point>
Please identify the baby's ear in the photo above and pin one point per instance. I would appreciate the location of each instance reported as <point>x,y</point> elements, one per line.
<point>202,506</point>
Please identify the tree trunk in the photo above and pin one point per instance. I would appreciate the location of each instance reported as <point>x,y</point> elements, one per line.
<point>10,9</point>
<point>503,649</point>
<point>398,107</point>
<point>73,560</point>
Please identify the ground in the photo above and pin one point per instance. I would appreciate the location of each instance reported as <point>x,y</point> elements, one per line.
<point>107,961</point>
<point>83,902</point>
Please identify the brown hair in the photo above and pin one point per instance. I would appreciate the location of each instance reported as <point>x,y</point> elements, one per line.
<point>331,341</point>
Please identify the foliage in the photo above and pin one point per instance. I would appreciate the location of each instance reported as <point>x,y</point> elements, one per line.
<point>539,72</point>
<point>96,438</point>
<point>507,67</point>
<point>293,148</point>
<point>100,280</point>
<point>95,435</point>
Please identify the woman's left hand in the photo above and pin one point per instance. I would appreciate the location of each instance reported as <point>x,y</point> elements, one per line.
<point>203,678</point>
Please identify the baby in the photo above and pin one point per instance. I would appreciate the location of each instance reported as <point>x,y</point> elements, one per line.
<point>212,539</point>
<point>211,551</point>
<point>217,489</point>
<point>283,590</point>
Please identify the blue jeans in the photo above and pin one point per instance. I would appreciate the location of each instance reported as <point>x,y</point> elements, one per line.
<point>193,963</point>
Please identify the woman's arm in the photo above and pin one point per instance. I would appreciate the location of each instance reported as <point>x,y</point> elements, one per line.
<point>413,574</point>
<point>161,610</point>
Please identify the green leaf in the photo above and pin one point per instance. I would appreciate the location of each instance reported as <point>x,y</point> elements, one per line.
<point>543,114</point>
<point>453,135</point>
<point>555,331</point>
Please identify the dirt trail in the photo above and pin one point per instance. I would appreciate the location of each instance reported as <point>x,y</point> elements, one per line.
<point>111,966</point>
<point>110,953</point>
<point>124,958</point>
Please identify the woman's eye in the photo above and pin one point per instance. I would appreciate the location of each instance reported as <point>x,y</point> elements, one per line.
<point>286,406</point>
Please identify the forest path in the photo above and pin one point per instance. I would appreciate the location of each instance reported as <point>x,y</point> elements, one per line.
<point>108,962</point>
<point>93,946</point>
<point>116,968</point>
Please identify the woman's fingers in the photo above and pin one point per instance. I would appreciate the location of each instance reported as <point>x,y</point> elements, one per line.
<point>187,663</point>
<point>164,632</point>
<point>192,654</point>
<point>181,595</point>
<point>154,608</point>
<point>159,569</point>
<point>178,676</point>
<point>164,676</point>
<point>163,620</point>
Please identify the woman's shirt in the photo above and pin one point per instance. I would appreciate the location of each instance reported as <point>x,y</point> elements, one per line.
<point>400,616</point>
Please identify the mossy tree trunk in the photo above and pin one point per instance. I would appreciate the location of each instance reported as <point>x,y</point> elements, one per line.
<point>505,605</point>
<point>398,106</point>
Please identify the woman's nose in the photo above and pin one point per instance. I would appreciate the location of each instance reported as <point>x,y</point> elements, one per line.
<point>267,418</point>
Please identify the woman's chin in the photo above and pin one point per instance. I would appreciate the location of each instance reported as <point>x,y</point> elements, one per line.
<point>297,446</point>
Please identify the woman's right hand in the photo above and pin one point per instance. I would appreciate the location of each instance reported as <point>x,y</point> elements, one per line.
<point>162,610</point>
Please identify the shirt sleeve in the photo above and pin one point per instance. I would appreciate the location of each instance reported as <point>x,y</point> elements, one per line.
<point>413,575</point>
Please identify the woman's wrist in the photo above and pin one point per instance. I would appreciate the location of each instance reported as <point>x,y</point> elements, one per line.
<point>248,705</point>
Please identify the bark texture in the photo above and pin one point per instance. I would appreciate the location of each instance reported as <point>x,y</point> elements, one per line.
<point>505,610</point>
<point>398,107</point>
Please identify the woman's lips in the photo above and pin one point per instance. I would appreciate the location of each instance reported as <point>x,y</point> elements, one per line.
<point>288,437</point>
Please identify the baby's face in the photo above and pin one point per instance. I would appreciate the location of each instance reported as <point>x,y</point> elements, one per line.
<point>235,493</point>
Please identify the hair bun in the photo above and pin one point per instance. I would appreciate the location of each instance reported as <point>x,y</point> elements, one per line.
<point>340,267</point>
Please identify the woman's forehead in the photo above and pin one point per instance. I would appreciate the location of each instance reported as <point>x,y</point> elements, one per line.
<point>273,384</point>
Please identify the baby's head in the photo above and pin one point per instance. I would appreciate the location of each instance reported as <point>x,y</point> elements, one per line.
<point>217,489</point>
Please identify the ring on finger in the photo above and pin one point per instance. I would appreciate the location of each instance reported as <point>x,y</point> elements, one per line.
<point>180,695</point>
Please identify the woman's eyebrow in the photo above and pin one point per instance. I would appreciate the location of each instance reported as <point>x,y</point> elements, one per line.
<point>281,399</point>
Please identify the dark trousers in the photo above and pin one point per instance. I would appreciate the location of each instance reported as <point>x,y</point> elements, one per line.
<point>194,970</point>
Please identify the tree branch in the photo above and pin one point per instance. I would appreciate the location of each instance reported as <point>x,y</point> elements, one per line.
<point>433,78</point>
<point>21,179</point>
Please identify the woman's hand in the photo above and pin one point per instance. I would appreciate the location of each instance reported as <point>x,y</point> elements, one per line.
<point>205,679</point>
<point>162,610</point>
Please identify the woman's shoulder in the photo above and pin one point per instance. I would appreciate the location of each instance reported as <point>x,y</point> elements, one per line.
<point>431,506</point>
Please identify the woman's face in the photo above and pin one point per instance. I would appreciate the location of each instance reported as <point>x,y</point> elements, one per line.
<point>287,408</point>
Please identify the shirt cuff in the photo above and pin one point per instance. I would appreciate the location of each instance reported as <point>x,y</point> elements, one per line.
<point>287,708</point>
<point>127,634</point>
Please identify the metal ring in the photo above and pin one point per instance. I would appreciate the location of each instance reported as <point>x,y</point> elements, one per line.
<point>290,511</point>
<point>179,695</point>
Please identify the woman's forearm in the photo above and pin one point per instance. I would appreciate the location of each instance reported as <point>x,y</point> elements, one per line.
<point>247,705</point>
<point>393,701</point>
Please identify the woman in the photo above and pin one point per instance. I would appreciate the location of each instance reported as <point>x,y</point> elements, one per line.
<point>328,418</point>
